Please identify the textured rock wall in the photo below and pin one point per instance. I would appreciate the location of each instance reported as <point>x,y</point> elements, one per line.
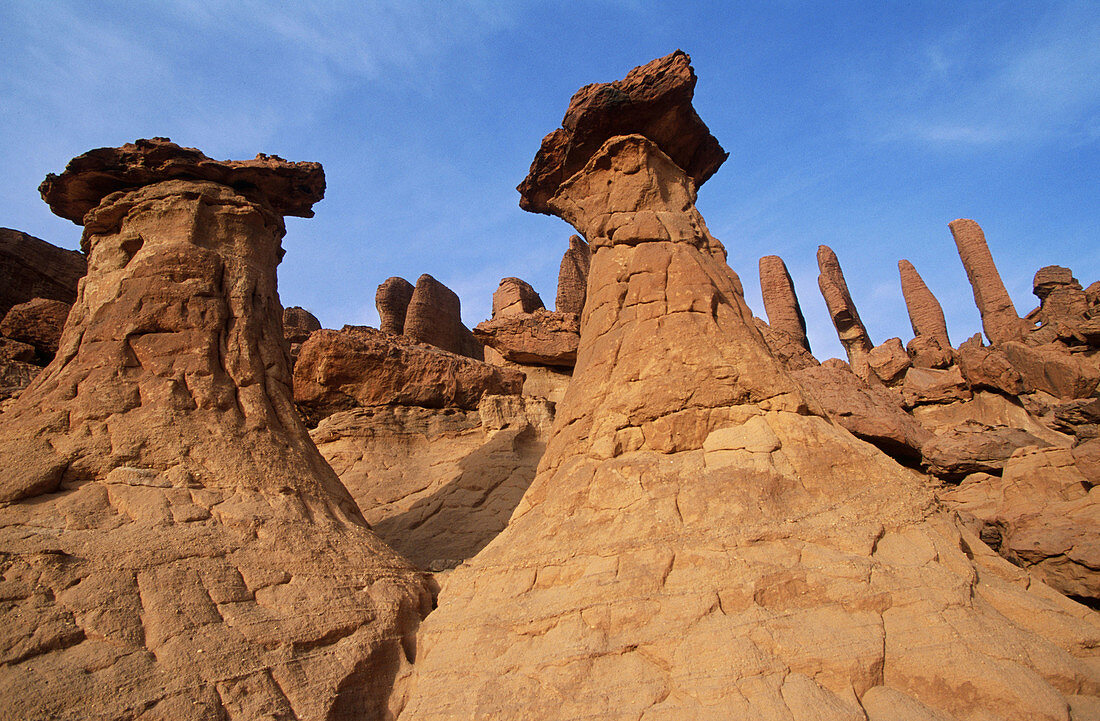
<point>32,268</point>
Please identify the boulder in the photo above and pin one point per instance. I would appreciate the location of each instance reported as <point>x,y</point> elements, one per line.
<point>926,385</point>
<point>392,301</point>
<point>984,367</point>
<point>653,100</point>
<point>999,317</point>
<point>699,543</point>
<point>32,268</point>
<point>926,352</point>
<point>434,316</point>
<point>200,558</point>
<point>973,447</point>
<point>360,366</point>
<point>37,323</point>
<point>1053,369</point>
<point>514,296</point>
<point>298,323</point>
<point>539,338</point>
<point>889,361</point>
<point>869,412</point>
<point>573,276</point>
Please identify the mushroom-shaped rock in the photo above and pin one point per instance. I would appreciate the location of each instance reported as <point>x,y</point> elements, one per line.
<point>999,318</point>
<point>653,100</point>
<point>288,188</point>
<point>202,559</point>
<point>780,300</point>
<point>697,543</point>
<point>573,276</point>
<point>392,301</point>
<point>853,336</point>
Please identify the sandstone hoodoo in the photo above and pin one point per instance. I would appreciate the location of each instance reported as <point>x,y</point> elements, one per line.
<point>699,542</point>
<point>999,317</point>
<point>174,544</point>
<point>392,301</point>
<point>853,336</point>
<point>780,300</point>
<point>434,316</point>
<point>573,276</point>
<point>931,346</point>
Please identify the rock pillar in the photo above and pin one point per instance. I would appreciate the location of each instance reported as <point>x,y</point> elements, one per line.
<point>853,336</point>
<point>392,301</point>
<point>780,300</point>
<point>573,276</point>
<point>999,318</point>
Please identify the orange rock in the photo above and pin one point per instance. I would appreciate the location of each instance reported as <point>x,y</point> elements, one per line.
<point>999,318</point>
<point>32,268</point>
<point>37,323</point>
<point>853,336</point>
<point>540,338</point>
<point>780,300</point>
<point>434,316</point>
<point>925,313</point>
<point>392,300</point>
<point>573,276</point>
<point>514,296</point>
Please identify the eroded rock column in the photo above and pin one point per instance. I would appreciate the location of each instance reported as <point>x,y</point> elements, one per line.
<point>931,346</point>
<point>780,300</point>
<point>853,336</point>
<point>434,317</point>
<point>392,301</point>
<point>999,318</point>
<point>203,559</point>
<point>573,276</point>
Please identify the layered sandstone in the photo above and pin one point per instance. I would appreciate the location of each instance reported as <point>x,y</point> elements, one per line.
<point>999,318</point>
<point>543,337</point>
<point>434,316</point>
<point>515,296</point>
<point>780,300</point>
<point>32,268</point>
<point>175,546</point>
<point>931,346</point>
<point>853,336</point>
<point>392,301</point>
<point>699,543</point>
<point>573,276</point>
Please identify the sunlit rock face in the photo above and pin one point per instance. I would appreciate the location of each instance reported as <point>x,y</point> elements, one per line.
<point>700,543</point>
<point>174,544</point>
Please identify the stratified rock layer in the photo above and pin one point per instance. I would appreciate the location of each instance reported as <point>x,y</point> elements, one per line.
<point>573,276</point>
<point>434,316</point>
<point>999,318</point>
<point>31,268</point>
<point>653,100</point>
<point>174,546</point>
<point>392,300</point>
<point>780,300</point>
<point>541,338</point>
<point>853,336</point>
<point>696,546</point>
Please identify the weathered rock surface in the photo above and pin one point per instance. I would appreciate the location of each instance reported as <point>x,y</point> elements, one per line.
<point>360,366</point>
<point>437,484</point>
<point>392,301</point>
<point>974,447</point>
<point>541,338</point>
<point>1052,369</point>
<point>434,316</point>
<point>988,409</point>
<point>926,352</point>
<point>780,300</point>
<point>787,349</point>
<point>999,318</point>
<point>870,412</point>
<point>653,100</point>
<point>1042,514</point>
<point>37,323</point>
<point>853,336</point>
<point>174,546</point>
<point>925,312</point>
<point>573,276</point>
<point>32,268</point>
<point>926,385</point>
<point>695,545</point>
<point>514,296</point>
<point>298,323</point>
<point>986,367</point>
<point>889,360</point>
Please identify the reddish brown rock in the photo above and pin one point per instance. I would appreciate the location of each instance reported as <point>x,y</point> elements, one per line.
<point>32,268</point>
<point>392,301</point>
<point>697,545</point>
<point>926,385</point>
<point>871,413</point>
<point>974,447</point>
<point>514,296</point>
<point>298,323</point>
<point>540,338</point>
<point>573,276</point>
<point>986,367</point>
<point>1092,294</point>
<point>925,313</point>
<point>15,375</point>
<point>926,352</point>
<point>360,366</point>
<point>289,188</point>
<point>780,300</point>
<point>1052,369</point>
<point>789,350</point>
<point>434,317</point>
<point>653,100</point>
<point>889,361</point>
<point>853,336</point>
<point>202,560</point>
<point>1041,514</point>
<point>999,317</point>
<point>38,323</point>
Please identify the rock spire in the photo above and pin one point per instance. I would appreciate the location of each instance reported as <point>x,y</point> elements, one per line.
<point>853,336</point>
<point>780,300</point>
<point>999,317</point>
<point>573,276</point>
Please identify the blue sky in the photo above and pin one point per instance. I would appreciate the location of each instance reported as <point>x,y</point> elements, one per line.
<point>866,126</point>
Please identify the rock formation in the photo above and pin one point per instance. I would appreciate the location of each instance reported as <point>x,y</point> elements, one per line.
<point>392,300</point>
<point>853,336</point>
<point>174,544</point>
<point>931,346</point>
<point>697,543</point>
<point>889,361</point>
<point>999,318</point>
<point>515,297</point>
<point>298,323</point>
<point>32,268</point>
<point>573,276</point>
<point>434,317</point>
<point>37,323</point>
<point>540,338</point>
<point>780,300</point>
